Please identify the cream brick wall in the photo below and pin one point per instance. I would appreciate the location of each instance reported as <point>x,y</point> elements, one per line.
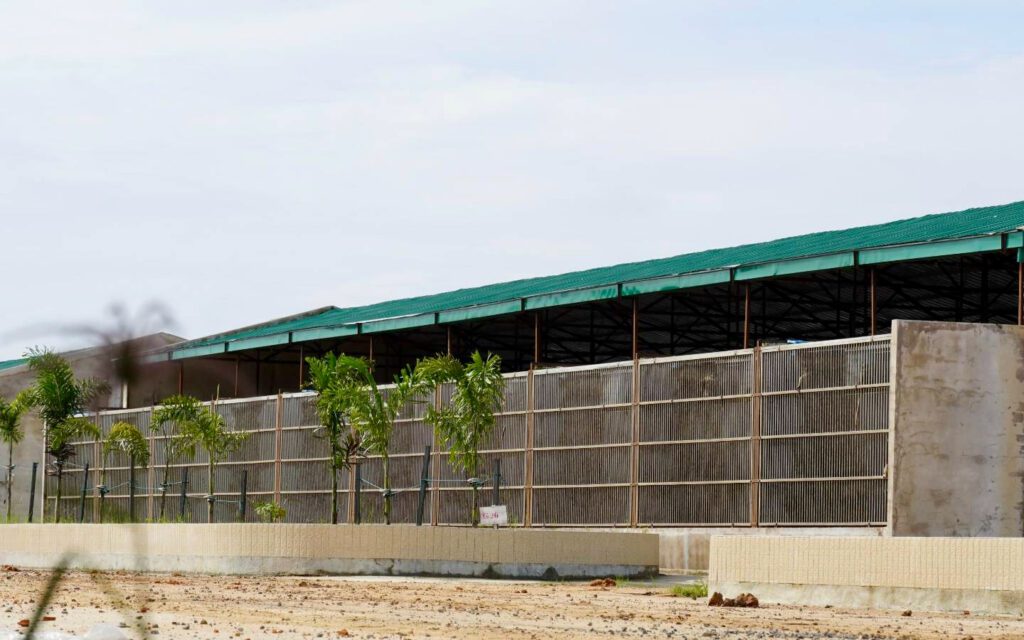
<point>107,545</point>
<point>995,564</point>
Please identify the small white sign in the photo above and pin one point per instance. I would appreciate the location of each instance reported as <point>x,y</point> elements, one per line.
<point>496,516</point>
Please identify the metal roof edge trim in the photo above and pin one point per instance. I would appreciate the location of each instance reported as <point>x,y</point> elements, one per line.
<point>195,352</point>
<point>481,311</point>
<point>797,265</point>
<point>575,296</point>
<point>671,283</point>
<point>405,322</point>
<point>1015,240</point>
<point>261,341</point>
<point>153,358</point>
<point>924,250</point>
<point>322,333</point>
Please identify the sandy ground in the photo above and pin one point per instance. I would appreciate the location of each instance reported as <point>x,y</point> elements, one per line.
<point>186,606</point>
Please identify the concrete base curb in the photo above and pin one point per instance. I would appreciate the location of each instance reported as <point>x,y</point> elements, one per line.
<point>309,549</point>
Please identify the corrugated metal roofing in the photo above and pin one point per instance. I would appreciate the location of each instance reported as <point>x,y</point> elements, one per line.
<point>970,223</point>
<point>8,364</point>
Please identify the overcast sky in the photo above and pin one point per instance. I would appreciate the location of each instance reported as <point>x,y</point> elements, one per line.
<point>240,161</point>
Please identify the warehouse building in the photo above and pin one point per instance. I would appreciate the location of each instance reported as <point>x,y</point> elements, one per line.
<point>861,381</point>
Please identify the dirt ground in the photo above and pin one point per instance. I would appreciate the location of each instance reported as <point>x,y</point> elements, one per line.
<point>186,606</point>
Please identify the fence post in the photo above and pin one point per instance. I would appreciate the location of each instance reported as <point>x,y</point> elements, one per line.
<point>97,456</point>
<point>151,471</point>
<point>634,449</point>
<point>755,438</point>
<point>435,490</point>
<point>356,515</point>
<point>131,491</point>
<point>424,481</point>
<point>278,446</point>
<point>528,484</point>
<point>32,491</point>
<point>241,500</point>
<point>496,495</point>
<point>184,493</point>
<point>85,488</point>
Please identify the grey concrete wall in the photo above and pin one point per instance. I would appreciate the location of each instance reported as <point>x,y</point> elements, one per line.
<point>31,448</point>
<point>86,363</point>
<point>957,407</point>
<point>341,549</point>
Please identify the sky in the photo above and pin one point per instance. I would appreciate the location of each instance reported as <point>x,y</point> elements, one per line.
<point>237,161</point>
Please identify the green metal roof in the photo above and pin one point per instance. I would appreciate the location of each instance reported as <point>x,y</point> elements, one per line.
<point>968,231</point>
<point>8,364</point>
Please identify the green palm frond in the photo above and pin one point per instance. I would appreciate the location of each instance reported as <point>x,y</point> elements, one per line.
<point>10,421</point>
<point>126,438</point>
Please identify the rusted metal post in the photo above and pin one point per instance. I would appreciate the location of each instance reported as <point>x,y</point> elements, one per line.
<point>85,488</point>
<point>1020,291</point>
<point>874,303</point>
<point>278,446</point>
<point>32,491</point>
<point>435,489</point>
<point>302,363</point>
<point>634,452</point>
<point>746,317</point>
<point>181,378</point>
<point>448,334</point>
<point>528,483</point>
<point>636,328</point>
<point>755,439</point>
<point>237,364</point>
<point>424,482</point>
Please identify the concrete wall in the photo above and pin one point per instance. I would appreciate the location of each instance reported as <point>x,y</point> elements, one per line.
<point>31,448</point>
<point>956,465</point>
<point>86,363</point>
<point>984,575</point>
<point>688,550</point>
<point>314,548</point>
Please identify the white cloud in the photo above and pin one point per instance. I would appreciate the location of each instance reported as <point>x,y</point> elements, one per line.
<point>245,162</point>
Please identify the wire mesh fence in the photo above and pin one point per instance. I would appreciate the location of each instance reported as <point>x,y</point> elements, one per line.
<point>775,435</point>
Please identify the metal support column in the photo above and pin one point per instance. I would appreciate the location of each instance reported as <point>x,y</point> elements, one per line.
<point>746,317</point>
<point>528,484</point>
<point>755,439</point>
<point>278,446</point>
<point>874,303</point>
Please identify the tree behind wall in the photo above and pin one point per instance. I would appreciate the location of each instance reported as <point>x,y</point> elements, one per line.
<point>167,420</point>
<point>370,410</point>
<point>61,398</point>
<point>125,438</point>
<point>468,419</point>
<point>11,434</point>
<point>199,427</point>
<point>336,379</point>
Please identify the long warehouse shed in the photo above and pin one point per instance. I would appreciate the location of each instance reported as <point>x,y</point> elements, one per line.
<point>960,266</point>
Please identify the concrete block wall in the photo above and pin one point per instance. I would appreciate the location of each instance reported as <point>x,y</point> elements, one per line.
<point>957,420</point>
<point>314,548</point>
<point>955,574</point>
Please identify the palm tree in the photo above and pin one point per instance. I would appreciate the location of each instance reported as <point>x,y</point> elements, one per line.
<point>334,379</point>
<point>11,433</point>
<point>370,410</point>
<point>175,410</point>
<point>468,420</point>
<point>207,430</point>
<point>61,399</point>
<point>126,438</point>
